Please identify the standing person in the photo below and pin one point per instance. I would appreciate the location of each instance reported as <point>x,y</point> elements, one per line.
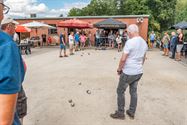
<point>111,39</point>
<point>62,45</point>
<point>49,40</point>
<point>71,43</point>
<point>89,39</point>
<point>12,75</point>
<point>130,70</point>
<point>119,42</point>
<point>173,45</point>
<point>77,40</point>
<point>180,39</point>
<point>21,106</point>
<point>152,39</point>
<point>97,36</point>
<point>125,37</point>
<point>83,40</point>
<point>165,41</point>
<point>44,39</point>
<point>16,38</point>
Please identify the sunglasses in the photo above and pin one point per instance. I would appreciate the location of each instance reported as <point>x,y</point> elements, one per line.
<point>5,8</point>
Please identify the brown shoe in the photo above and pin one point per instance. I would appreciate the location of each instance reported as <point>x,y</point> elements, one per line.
<point>130,114</point>
<point>118,115</point>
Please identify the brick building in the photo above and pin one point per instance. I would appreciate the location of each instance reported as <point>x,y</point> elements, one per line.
<point>140,20</point>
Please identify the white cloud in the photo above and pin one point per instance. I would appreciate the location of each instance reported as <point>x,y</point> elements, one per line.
<point>24,8</point>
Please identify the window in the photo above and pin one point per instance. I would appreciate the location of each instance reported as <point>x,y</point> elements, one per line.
<point>53,31</point>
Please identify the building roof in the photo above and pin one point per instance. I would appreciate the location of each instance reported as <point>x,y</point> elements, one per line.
<point>84,17</point>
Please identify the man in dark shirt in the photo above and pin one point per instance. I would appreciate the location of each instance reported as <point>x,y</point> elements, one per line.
<point>173,45</point>
<point>62,46</point>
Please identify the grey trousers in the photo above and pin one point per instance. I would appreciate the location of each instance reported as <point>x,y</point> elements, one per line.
<point>124,82</point>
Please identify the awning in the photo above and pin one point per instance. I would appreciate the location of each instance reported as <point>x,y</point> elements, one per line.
<point>110,24</point>
<point>181,25</point>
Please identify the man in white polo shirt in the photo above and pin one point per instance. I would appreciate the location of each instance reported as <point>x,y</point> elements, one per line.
<point>130,70</point>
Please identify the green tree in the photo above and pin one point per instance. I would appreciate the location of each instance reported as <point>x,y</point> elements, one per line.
<point>181,11</point>
<point>135,7</point>
<point>95,8</point>
<point>163,12</point>
<point>75,12</point>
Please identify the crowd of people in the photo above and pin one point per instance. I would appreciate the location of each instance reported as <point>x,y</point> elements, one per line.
<point>173,46</point>
<point>111,38</point>
<point>78,41</point>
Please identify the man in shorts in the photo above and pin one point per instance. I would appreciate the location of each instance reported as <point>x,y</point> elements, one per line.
<point>62,45</point>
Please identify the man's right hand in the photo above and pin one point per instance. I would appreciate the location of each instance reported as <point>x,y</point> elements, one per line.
<point>119,72</point>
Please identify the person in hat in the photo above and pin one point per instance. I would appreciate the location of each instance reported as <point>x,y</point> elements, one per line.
<point>11,75</point>
<point>8,26</point>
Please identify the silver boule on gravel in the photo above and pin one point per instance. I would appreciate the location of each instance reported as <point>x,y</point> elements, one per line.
<point>70,101</point>
<point>72,104</point>
<point>88,92</point>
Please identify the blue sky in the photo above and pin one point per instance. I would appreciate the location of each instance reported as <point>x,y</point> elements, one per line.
<point>43,8</point>
<point>60,3</point>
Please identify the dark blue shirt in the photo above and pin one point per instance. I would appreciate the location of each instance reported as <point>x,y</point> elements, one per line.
<point>61,38</point>
<point>11,67</point>
<point>174,40</point>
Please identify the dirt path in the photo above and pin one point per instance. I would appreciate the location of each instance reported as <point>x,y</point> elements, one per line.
<point>50,82</point>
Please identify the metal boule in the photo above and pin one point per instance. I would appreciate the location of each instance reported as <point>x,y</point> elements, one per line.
<point>88,92</point>
<point>70,101</point>
<point>72,104</point>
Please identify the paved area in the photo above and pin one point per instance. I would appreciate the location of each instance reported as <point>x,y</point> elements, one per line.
<point>51,82</point>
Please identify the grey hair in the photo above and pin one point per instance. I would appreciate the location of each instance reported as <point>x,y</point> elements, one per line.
<point>133,28</point>
<point>1,1</point>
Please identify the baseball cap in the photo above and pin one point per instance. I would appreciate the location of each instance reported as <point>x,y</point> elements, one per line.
<point>7,20</point>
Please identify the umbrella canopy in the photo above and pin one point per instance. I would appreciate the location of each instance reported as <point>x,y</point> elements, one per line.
<point>74,23</point>
<point>181,25</point>
<point>22,29</point>
<point>35,24</point>
<point>110,24</point>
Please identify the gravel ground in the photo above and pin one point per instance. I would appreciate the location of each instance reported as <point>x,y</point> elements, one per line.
<point>88,80</point>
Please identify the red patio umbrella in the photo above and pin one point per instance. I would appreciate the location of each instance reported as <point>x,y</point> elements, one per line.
<point>74,23</point>
<point>22,29</point>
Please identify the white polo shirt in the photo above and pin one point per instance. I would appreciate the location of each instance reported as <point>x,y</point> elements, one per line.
<point>136,49</point>
<point>71,39</point>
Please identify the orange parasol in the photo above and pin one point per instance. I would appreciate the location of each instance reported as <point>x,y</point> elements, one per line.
<point>22,29</point>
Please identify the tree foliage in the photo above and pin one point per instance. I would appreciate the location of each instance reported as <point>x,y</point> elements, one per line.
<point>163,13</point>
<point>181,11</point>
